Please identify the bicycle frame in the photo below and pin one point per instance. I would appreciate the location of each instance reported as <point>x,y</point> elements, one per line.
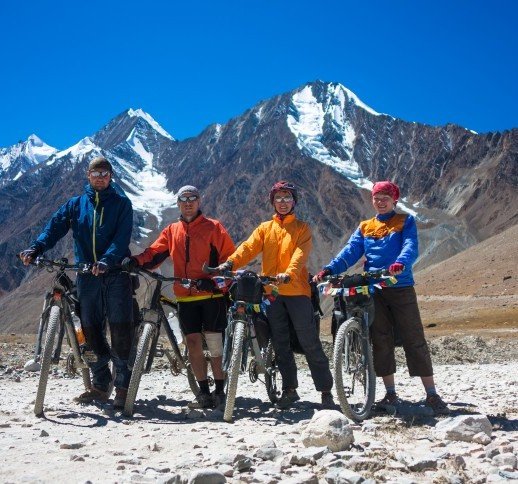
<point>146,346</point>
<point>57,313</point>
<point>352,355</point>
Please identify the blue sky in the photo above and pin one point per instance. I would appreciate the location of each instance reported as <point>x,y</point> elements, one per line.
<point>70,67</point>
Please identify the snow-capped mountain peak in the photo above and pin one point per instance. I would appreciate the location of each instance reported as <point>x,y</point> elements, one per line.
<point>148,118</point>
<point>37,149</point>
<point>17,159</point>
<point>86,145</point>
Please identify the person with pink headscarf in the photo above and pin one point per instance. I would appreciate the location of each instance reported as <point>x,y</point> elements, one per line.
<point>389,241</point>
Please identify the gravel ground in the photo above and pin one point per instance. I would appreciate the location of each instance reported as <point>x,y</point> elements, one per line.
<point>165,442</point>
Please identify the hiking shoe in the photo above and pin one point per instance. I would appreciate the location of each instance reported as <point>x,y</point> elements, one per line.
<point>202,400</point>
<point>436,403</point>
<point>219,399</point>
<point>288,397</point>
<point>389,401</point>
<point>328,402</point>
<point>120,397</point>
<point>94,394</point>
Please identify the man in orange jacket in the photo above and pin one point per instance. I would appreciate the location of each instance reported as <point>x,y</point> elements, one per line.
<point>285,243</point>
<point>191,242</point>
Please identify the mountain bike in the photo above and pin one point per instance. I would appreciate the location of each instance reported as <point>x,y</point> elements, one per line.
<point>146,346</point>
<point>242,337</point>
<point>353,312</point>
<point>57,318</point>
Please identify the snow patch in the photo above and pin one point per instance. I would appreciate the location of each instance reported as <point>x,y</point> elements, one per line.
<point>148,193</point>
<point>137,146</point>
<point>306,122</point>
<point>307,125</point>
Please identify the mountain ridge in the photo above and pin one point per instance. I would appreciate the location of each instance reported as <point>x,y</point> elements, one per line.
<point>460,185</point>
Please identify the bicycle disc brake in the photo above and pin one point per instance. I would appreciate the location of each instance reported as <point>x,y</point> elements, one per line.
<point>174,365</point>
<point>70,366</point>
<point>252,371</point>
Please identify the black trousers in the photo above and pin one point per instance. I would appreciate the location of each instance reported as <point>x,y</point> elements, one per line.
<point>298,310</point>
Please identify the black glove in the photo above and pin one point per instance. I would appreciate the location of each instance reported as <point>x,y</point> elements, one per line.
<point>129,264</point>
<point>99,268</point>
<point>28,255</point>
<point>226,266</point>
<point>206,285</point>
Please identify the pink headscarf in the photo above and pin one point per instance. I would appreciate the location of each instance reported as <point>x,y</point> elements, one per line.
<point>386,187</point>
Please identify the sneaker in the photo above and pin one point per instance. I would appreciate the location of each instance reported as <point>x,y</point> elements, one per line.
<point>120,397</point>
<point>219,399</point>
<point>388,402</point>
<point>436,403</point>
<point>202,400</point>
<point>94,394</point>
<point>288,397</point>
<point>328,402</point>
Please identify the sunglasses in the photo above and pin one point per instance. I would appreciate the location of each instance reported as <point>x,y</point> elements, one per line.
<point>97,174</point>
<point>190,198</point>
<point>283,199</point>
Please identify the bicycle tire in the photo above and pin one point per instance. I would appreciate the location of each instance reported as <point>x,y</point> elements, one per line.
<point>46,359</point>
<point>193,383</point>
<point>352,358</point>
<point>234,369</point>
<point>136,374</point>
<point>272,374</point>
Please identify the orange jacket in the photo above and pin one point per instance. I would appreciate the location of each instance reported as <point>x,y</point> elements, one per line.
<point>285,245</point>
<point>190,245</point>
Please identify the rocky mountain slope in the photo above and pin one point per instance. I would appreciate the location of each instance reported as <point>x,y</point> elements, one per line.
<point>461,186</point>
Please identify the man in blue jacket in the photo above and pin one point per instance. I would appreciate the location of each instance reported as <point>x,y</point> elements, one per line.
<point>389,241</point>
<point>101,221</point>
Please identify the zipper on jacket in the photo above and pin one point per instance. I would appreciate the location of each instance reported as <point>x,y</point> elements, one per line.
<point>93,228</point>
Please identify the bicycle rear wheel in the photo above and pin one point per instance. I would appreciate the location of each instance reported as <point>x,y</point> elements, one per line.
<point>355,380</point>
<point>46,358</point>
<point>272,378</point>
<point>136,374</point>
<point>179,361</point>
<point>234,369</point>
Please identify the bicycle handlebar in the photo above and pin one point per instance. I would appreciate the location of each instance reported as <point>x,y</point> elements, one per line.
<point>160,277</point>
<point>63,264</point>
<point>239,273</point>
<point>354,284</point>
<point>381,274</point>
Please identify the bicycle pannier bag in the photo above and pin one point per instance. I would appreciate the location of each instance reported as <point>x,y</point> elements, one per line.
<point>247,288</point>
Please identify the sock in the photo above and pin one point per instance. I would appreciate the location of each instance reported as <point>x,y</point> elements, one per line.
<point>204,386</point>
<point>220,386</point>
<point>390,389</point>
<point>430,391</point>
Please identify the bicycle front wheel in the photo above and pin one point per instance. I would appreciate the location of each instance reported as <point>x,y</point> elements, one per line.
<point>46,359</point>
<point>234,369</point>
<point>136,374</point>
<point>354,371</point>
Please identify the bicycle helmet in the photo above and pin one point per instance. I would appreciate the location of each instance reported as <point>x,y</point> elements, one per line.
<point>283,185</point>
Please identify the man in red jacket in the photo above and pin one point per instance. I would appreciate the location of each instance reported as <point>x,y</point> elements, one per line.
<point>191,242</point>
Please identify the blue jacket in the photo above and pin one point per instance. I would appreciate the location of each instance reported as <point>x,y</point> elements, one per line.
<point>101,223</point>
<point>383,240</point>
